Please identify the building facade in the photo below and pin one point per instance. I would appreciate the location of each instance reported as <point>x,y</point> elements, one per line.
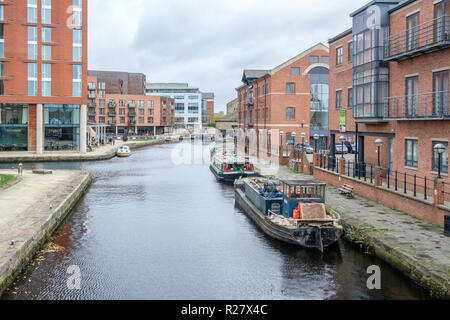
<point>207,108</point>
<point>43,75</point>
<point>188,102</point>
<point>292,98</point>
<point>121,82</point>
<point>390,81</point>
<point>232,107</point>
<point>129,114</point>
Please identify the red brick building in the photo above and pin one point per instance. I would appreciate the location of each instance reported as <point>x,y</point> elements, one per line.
<point>207,108</point>
<point>128,113</point>
<point>43,75</point>
<point>389,80</point>
<point>292,97</point>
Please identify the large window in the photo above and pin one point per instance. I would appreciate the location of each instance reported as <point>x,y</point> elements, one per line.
<point>412,22</point>
<point>2,13</point>
<point>46,11</point>
<point>350,97</point>
<point>46,80</point>
<point>350,51</point>
<point>77,80</point>
<point>290,113</point>
<point>290,87</point>
<point>32,43</point>
<point>444,157</point>
<point>441,93</point>
<point>32,79</point>
<point>13,127</point>
<point>338,99</point>
<point>2,41</point>
<point>77,45</point>
<point>46,52</point>
<point>62,127</point>
<point>77,13</point>
<point>46,34</point>
<point>31,11</point>
<point>411,154</point>
<point>339,53</point>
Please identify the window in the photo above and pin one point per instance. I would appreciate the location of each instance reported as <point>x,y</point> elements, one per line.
<point>350,51</point>
<point>150,119</point>
<point>141,112</point>
<point>14,127</point>
<point>412,91</point>
<point>412,22</point>
<point>150,103</point>
<point>313,59</point>
<point>142,104</point>
<point>32,43</point>
<point>339,53</point>
<point>290,87</point>
<point>179,107</point>
<point>62,127</point>
<point>193,97</point>
<point>2,13</point>
<point>411,155</point>
<point>77,80</point>
<point>77,13</point>
<point>46,34</point>
<point>77,45</point>
<point>325,59</point>
<point>294,71</point>
<point>31,11</point>
<point>32,79</point>
<point>441,92</point>
<point>2,41</point>
<point>46,52</point>
<point>46,11</point>
<point>350,97</point>
<point>290,113</point>
<point>444,157</point>
<point>2,69</point>
<point>46,80</point>
<point>338,99</point>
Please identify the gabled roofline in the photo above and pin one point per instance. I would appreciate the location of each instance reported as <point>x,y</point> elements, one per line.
<point>340,36</point>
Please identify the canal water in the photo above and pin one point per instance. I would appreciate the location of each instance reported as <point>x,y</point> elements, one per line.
<point>154,228</point>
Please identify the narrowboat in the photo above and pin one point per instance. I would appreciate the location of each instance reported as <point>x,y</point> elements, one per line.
<point>123,152</point>
<point>227,167</point>
<point>292,211</point>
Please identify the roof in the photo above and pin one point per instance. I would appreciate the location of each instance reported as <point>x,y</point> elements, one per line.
<point>340,36</point>
<point>207,95</point>
<point>257,74</point>
<point>302,182</point>
<point>169,85</point>
<point>404,3</point>
<point>363,8</point>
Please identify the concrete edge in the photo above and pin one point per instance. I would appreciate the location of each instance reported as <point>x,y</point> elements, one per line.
<point>11,269</point>
<point>361,235</point>
<point>16,180</point>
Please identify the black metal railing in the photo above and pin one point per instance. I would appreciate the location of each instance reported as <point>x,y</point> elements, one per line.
<point>360,171</point>
<point>417,186</point>
<point>432,105</point>
<point>430,34</point>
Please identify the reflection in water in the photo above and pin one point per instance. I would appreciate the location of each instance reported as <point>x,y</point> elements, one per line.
<point>149,229</point>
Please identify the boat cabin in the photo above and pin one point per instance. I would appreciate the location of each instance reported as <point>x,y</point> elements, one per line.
<point>231,164</point>
<point>301,191</point>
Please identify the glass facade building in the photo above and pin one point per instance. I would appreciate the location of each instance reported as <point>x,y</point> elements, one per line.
<point>319,106</point>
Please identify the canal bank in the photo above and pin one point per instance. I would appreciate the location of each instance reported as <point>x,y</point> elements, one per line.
<point>417,248</point>
<point>30,210</point>
<point>105,152</point>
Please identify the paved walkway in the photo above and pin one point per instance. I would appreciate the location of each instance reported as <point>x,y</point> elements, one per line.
<point>408,243</point>
<point>99,153</point>
<point>29,209</point>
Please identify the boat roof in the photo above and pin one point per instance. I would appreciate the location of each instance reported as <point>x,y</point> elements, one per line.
<point>229,158</point>
<point>293,183</point>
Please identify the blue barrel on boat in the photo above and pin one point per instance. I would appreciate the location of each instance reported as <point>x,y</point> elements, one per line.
<point>447,225</point>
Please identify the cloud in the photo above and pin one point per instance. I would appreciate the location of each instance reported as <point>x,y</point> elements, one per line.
<point>208,43</point>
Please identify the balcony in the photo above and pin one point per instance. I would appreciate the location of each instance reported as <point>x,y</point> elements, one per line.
<point>424,106</point>
<point>112,105</point>
<point>132,105</point>
<point>369,113</point>
<point>112,122</point>
<point>131,121</point>
<point>112,114</point>
<point>427,37</point>
<point>92,113</point>
<point>92,95</point>
<point>92,105</point>
<point>132,114</point>
<point>92,87</point>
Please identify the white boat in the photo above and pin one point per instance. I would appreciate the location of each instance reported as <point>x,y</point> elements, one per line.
<point>124,151</point>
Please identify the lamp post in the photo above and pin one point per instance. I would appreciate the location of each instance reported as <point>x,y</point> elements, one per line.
<point>293,134</point>
<point>281,135</point>
<point>342,140</point>
<point>316,138</point>
<point>440,149</point>
<point>379,144</point>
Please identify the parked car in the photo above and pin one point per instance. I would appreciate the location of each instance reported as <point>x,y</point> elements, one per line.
<point>340,150</point>
<point>308,149</point>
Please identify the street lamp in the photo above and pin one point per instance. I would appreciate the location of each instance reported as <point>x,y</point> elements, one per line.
<point>379,144</point>
<point>342,140</point>
<point>293,134</point>
<point>316,138</point>
<point>303,123</point>
<point>440,149</point>
<point>282,149</point>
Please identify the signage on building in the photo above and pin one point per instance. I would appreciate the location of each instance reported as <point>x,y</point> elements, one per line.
<point>343,121</point>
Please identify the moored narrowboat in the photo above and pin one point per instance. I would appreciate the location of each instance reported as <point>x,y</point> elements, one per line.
<point>227,167</point>
<point>292,211</point>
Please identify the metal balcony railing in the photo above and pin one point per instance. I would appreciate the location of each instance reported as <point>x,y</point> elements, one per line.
<point>92,113</point>
<point>132,114</point>
<point>92,95</point>
<point>132,105</point>
<point>92,87</point>
<point>112,114</point>
<point>112,104</point>
<point>423,106</point>
<point>430,35</point>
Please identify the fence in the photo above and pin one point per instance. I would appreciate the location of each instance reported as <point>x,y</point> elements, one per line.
<point>404,182</point>
<point>360,171</point>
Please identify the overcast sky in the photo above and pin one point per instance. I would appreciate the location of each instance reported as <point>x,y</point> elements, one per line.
<point>208,43</point>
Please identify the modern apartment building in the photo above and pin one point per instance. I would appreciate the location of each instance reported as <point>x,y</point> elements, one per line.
<point>389,78</point>
<point>292,98</point>
<point>188,102</point>
<point>207,108</point>
<point>128,113</point>
<point>121,82</point>
<point>43,75</point>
